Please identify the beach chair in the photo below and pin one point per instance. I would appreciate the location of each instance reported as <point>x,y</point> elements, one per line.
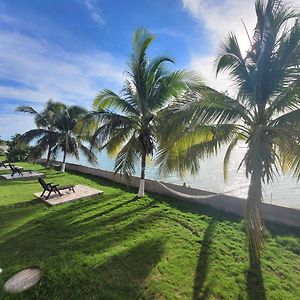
<point>3,163</point>
<point>56,188</point>
<point>15,170</point>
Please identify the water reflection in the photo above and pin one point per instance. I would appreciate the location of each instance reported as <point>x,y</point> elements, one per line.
<point>284,191</point>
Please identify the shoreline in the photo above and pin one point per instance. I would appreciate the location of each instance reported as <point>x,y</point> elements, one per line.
<point>231,204</point>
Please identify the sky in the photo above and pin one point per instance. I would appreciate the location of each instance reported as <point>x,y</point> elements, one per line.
<point>69,50</point>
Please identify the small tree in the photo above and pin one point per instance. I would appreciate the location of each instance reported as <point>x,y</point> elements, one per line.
<point>18,150</point>
<point>73,127</point>
<point>46,135</point>
<point>59,128</point>
<point>2,143</point>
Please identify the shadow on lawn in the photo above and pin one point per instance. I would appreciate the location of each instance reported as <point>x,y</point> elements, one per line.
<point>125,273</point>
<point>56,230</point>
<point>108,211</point>
<point>121,275</point>
<point>255,282</point>
<point>17,182</point>
<point>33,202</point>
<point>202,266</point>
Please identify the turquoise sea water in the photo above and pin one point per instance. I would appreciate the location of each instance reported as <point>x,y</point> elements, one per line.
<point>284,191</point>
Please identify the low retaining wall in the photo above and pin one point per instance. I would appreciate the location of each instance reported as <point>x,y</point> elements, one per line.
<point>235,205</point>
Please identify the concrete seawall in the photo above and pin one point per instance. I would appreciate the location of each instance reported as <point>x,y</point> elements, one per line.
<point>235,205</point>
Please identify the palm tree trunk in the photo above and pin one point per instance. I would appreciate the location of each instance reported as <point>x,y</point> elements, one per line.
<point>63,166</point>
<point>141,191</point>
<point>253,215</point>
<point>48,157</point>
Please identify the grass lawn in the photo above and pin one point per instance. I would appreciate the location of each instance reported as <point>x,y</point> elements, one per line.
<point>119,247</point>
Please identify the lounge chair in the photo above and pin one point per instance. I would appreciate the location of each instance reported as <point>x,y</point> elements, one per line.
<point>3,163</point>
<point>56,188</point>
<point>15,170</point>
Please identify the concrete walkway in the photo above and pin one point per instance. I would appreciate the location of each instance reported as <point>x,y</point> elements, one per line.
<point>7,168</point>
<point>26,175</point>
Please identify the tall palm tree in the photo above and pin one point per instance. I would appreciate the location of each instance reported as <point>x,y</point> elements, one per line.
<point>46,135</point>
<point>73,133</point>
<point>265,112</point>
<point>129,119</point>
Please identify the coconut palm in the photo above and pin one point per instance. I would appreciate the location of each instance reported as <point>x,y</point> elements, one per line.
<point>59,128</point>
<point>46,135</point>
<point>129,118</point>
<point>265,112</point>
<point>73,133</point>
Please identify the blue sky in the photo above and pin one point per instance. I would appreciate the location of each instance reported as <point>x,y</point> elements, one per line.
<point>69,50</point>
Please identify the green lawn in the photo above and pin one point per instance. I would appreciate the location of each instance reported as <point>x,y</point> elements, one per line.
<point>120,247</point>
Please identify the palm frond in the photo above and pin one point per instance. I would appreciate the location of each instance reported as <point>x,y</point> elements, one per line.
<point>127,157</point>
<point>88,153</point>
<point>107,99</point>
<point>117,139</point>
<point>33,134</point>
<point>27,109</point>
<point>230,59</point>
<point>184,152</point>
<point>171,86</point>
<point>228,154</point>
<point>288,100</point>
<point>261,152</point>
<point>290,119</point>
<point>208,106</point>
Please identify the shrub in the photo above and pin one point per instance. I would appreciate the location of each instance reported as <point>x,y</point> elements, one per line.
<point>18,150</point>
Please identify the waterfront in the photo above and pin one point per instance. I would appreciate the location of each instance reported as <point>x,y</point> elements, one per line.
<point>284,191</point>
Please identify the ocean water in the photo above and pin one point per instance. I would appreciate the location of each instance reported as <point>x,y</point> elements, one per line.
<point>283,191</point>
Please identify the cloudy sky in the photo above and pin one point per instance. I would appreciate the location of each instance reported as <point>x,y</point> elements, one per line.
<point>69,50</point>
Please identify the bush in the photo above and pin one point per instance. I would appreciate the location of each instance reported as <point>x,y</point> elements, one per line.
<point>2,143</point>
<point>18,150</point>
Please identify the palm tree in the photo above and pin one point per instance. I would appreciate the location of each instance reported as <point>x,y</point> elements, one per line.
<point>46,133</point>
<point>73,133</point>
<point>59,127</point>
<point>129,119</point>
<point>265,112</point>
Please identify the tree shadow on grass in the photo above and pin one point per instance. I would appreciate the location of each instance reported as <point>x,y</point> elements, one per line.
<point>32,202</point>
<point>123,275</point>
<point>108,211</point>
<point>97,243</point>
<point>203,259</point>
<point>255,282</point>
<point>120,276</point>
<point>53,232</point>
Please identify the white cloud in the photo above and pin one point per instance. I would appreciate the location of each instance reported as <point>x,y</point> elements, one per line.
<point>52,71</point>
<point>17,123</point>
<point>44,71</point>
<point>94,11</point>
<point>219,18</point>
<point>205,65</point>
